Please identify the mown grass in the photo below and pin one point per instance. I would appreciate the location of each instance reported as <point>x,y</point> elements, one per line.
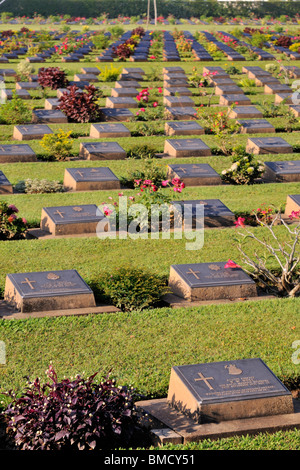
<point>281,440</point>
<point>141,348</point>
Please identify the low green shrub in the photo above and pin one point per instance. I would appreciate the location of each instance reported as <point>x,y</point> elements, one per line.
<point>36,186</point>
<point>132,288</point>
<point>15,111</point>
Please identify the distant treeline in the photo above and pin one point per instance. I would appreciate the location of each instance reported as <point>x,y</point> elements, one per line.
<point>177,8</point>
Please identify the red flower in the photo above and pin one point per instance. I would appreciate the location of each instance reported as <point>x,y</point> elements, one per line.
<point>294,215</point>
<point>231,264</point>
<point>240,222</point>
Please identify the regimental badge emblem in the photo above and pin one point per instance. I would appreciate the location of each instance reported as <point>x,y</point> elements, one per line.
<point>77,209</point>
<point>233,370</point>
<point>214,267</point>
<point>53,276</point>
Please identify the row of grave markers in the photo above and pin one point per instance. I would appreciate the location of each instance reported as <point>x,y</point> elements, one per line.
<point>30,292</point>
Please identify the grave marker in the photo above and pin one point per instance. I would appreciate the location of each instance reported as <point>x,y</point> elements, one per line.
<point>90,179</point>
<point>259,146</point>
<point>183,128</point>
<point>73,220</point>
<point>216,214</point>
<point>210,281</point>
<point>49,116</point>
<point>255,126</point>
<point>5,185</point>
<point>100,131</point>
<point>228,390</point>
<point>46,291</point>
<point>195,174</point>
<point>186,148</point>
<point>101,151</point>
<point>292,204</point>
<point>120,102</point>
<point>31,131</point>
<point>16,153</point>
<point>285,171</point>
<point>178,101</point>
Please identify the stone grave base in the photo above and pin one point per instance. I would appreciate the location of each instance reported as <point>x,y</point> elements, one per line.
<point>8,312</point>
<point>177,428</point>
<point>174,301</point>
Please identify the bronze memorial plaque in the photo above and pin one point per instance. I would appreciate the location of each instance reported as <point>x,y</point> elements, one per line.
<point>227,390</point>
<point>210,281</point>
<point>49,290</point>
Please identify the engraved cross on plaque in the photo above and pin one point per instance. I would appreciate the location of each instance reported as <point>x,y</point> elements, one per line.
<point>58,212</point>
<point>182,169</point>
<point>27,281</point>
<point>80,173</point>
<point>205,380</point>
<point>194,273</point>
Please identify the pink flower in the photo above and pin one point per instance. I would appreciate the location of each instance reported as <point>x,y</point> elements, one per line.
<point>155,104</point>
<point>294,215</point>
<point>24,221</point>
<point>240,222</point>
<point>176,181</point>
<point>165,183</point>
<point>137,182</point>
<point>159,90</point>
<point>131,198</point>
<point>154,188</point>
<point>231,264</point>
<point>120,194</point>
<point>147,182</point>
<point>107,211</point>
<point>142,110</point>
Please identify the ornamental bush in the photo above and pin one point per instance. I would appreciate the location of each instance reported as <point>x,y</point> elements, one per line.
<point>36,186</point>
<point>15,111</point>
<point>131,288</point>
<point>244,169</point>
<point>53,78</point>
<point>80,105</point>
<point>71,414</point>
<point>12,227</point>
<point>58,144</point>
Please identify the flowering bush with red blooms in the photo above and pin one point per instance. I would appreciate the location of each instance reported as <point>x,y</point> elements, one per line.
<point>147,99</point>
<point>52,77</point>
<point>12,227</point>
<point>80,105</point>
<point>71,414</point>
<point>152,196</point>
<point>264,214</point>
<point>150,193</point>
<point>70,45</point>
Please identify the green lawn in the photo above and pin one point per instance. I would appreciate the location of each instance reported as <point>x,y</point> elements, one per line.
<point>141,347</point>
